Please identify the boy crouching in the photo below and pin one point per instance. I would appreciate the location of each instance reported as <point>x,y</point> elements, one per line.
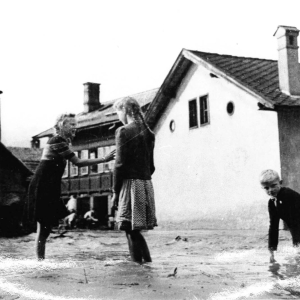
<point>284,203</point>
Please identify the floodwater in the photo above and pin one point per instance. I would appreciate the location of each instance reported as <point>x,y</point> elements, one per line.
<point>190,264</point>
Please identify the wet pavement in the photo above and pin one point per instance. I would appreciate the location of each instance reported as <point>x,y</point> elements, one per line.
<point>191,264</point>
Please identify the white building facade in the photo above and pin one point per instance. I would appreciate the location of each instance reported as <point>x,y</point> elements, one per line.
<point>216,120</point>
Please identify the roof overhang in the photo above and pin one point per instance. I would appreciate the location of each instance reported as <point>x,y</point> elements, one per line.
<point>168,89</point>
<point>199,61</point>
<point>174,78</point>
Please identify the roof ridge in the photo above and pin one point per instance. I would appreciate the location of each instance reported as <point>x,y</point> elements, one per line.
<point>132,95</point>
<point>234,56</point>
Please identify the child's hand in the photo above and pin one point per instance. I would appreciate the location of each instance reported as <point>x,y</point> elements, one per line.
<point>115,201</point>
<point>110,156</point>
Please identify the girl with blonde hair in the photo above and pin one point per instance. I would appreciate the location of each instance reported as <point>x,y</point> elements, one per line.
<point>134,166</point>
<point>45,205</point>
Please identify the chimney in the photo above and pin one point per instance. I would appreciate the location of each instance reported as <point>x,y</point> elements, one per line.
<point>288,66</point>
<point>91,100</point>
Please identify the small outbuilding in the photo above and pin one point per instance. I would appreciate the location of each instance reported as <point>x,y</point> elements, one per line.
<point>14,181</point>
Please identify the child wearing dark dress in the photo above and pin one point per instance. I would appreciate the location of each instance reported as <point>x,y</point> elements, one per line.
<point>45,205</point>
<point>284,204</point>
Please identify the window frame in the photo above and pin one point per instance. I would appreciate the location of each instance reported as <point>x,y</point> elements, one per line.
<point>112,162</point>
<point>73,167</point>
<point>84,154</point>
<point>106,165</point>
<point>100,154</point>
<point>66,170</point>
<point>93,155</point>
<point>192,114</point>
<point>204,112</point>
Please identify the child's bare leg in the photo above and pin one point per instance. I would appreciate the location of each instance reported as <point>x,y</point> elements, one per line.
<point>42,234</point>
<point>144,248</point>
<point>134,246</point>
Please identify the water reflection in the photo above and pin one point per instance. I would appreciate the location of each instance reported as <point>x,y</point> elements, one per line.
<point>288,269</point>
<point>292,267</point>
<point>274,269</point>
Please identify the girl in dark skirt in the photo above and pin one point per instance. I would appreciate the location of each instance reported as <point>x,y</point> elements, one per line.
<point>45,206</point>
<point>133,190</point>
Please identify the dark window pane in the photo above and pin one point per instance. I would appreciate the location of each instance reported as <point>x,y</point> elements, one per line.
<point>193,113</point>
<point>203,110</point>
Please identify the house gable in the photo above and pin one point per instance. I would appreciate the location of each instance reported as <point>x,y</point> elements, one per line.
<point>206,163</point>
<point>258,77</point>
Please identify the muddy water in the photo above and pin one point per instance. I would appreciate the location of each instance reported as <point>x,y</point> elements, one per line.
<point>192,264</point>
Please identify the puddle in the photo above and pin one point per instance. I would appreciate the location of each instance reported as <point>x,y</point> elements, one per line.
<point>201,265</point>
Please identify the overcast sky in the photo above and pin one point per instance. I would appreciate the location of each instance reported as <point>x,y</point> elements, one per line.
<point>48,49</point>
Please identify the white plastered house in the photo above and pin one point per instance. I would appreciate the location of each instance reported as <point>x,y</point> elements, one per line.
<point>219,121</point>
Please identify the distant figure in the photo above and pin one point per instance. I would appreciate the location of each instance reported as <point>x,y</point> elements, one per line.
<point>133,190</point>
<point>45,187</point>
<point>89,218</point>
<point>72,204</point>
<point>284,203</point>
<point>70,220</point>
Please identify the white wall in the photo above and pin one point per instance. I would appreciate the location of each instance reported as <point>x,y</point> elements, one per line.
<point>213,168</point>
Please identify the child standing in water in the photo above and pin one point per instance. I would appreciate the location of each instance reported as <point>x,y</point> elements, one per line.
<point>133,190</point>
<point>44,204</point>
<point>284,203</point>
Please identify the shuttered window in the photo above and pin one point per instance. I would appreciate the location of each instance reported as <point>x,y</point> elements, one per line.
<point>193,113</point>
<point>204,113</point>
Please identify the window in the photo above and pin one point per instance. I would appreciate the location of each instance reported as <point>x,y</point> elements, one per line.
<point>73,168</point>
<point>172,126</point>
<point>112,162</point>
<point>66,171</point>
<point>204,115</point>
<point>100,155</point>
<point>106,165</point>
<point>93,155</point>
<point>193,113</point>
<point>291,40</point>
<point>230,108</point>
<point>84,155</point>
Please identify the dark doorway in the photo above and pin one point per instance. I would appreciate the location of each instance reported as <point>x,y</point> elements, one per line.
<point>101,209</point>
<point>83,205</point>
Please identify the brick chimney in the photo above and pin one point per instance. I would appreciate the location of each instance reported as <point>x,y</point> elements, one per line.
<point>288,66</point>
<point>91,100</point>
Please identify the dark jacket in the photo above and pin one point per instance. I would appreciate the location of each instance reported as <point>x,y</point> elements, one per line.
<point>134,155</point>
<point>287,208</point>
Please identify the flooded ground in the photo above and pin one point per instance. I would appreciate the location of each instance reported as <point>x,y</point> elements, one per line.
<point>192,264</point>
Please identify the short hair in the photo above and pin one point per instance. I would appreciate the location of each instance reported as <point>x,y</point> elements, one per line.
<point>268,175</point>
<point>60,121</point>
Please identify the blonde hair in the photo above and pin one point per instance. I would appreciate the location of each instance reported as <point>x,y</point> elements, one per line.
<point>61,119</point>
<point>133,109</point>
<point>268,176</point>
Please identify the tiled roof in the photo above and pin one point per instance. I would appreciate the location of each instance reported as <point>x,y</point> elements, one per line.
<point>6,153</point>
<point>105,114</point>
<point>258,75</point>
<point>28,156</point>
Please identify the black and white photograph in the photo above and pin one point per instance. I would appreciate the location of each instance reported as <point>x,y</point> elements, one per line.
<point>149,150</point>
